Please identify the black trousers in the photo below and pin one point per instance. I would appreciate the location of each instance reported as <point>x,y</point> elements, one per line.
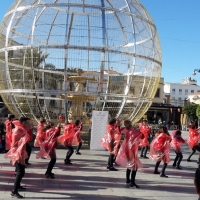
<point>78,147</point>
<point>28,150</point>
<point>133,175</point>
<point>194,149</point>
<point>144,151</point>
<point>50,166</point>
<point>20,169</point>
<point>111,160</point>
<point>69,152</point>
<point>178,159</point>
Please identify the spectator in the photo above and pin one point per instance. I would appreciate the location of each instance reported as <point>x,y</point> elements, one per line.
<point>197,181</point>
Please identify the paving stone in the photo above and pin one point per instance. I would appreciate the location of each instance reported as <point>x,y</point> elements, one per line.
<point>88,179</point>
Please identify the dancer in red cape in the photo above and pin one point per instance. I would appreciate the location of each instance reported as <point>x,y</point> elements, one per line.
<point>41,134</point>
<point>160,149</point>
<point>77,138</point>
<point>176,143</point>
<point>66,140</point>
<point>9,126</point>
<point>48,147</point>
<point>145,129</point>
<point>111,141</point>
<point>18,153</point>
<point>128,152</point>
<point>193,140</point>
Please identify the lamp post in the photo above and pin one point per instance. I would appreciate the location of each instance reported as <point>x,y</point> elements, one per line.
<point>194,72</point>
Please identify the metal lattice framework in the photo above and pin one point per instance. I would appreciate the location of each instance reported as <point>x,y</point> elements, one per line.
<point>113,43</point>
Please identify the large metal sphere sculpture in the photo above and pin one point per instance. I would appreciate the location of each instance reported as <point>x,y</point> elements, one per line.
<point>75,56</point>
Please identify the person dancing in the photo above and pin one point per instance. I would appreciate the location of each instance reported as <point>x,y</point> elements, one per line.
<point>145,129</point>
<point>176,143</point>
<point>28,147</point>
<point>193,140</point>
<point>9,126</point>
<point>110,142</point>
<point>18,153</point>
<point>40,137</point>
<point>128,152</point>
<point>160,149</point>
<point>66,140</point>
<point>77,139</point>
<point>48,148</point>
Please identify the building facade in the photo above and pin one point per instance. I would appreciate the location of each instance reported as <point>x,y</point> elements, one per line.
<point>162,109</point>
<point>177,93</point>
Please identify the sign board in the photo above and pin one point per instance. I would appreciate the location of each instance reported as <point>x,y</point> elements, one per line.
<point>98,130</point>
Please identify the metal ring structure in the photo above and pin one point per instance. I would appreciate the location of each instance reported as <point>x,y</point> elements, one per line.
<point>44,43</point>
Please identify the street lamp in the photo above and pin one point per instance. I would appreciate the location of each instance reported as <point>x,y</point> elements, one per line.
<point>195,70</point>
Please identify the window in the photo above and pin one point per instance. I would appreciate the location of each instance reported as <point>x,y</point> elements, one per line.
<point>157,93</point>
<point>172,98</point>
<point>180,91</point>
<point>186,91</point>
<point>179,98</point>
<point>192,91</point>
<point>173,91</point>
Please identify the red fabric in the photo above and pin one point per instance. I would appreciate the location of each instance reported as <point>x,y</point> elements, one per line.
<point>61,118</point>
<point>193,138</point>
<point>160,148</point>
<point>40,135</point>
<point>112,138</point>
<point>176,142</point>
<point>68,135</point>
<point>145,130</point>
<point>48,147</point>
<point>128,152</point>
<point>8,125</point>
<point>77,137</point>
<point>30,133</point>
<point>18,152</point>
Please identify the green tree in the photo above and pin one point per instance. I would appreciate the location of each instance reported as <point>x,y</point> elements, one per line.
<point>190,111</point>
<point>198,111</point>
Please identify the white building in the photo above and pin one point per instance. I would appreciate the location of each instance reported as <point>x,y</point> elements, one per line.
<point>194,98</point>
<point>177,93</point>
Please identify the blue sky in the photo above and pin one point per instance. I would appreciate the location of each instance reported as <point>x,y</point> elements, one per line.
<point>178,25</point>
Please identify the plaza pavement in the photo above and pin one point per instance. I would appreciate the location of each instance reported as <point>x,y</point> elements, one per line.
<point>88,179</point>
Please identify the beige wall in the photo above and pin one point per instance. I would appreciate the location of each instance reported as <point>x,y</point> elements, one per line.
<point>161,93</point>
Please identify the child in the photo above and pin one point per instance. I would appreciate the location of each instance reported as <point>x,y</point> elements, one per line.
<point>128,152</point>
<point>145,129</point>
<point>110,142</point>
<point>160,149</point>
<point>66,140</point>
<point>48,148</point>
<point>176,143</point>
<point>77,139</point>
<point>193,140</point>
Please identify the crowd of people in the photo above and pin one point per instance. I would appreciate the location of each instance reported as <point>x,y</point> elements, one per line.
<point>19,133</point>
<point>126,154</point>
